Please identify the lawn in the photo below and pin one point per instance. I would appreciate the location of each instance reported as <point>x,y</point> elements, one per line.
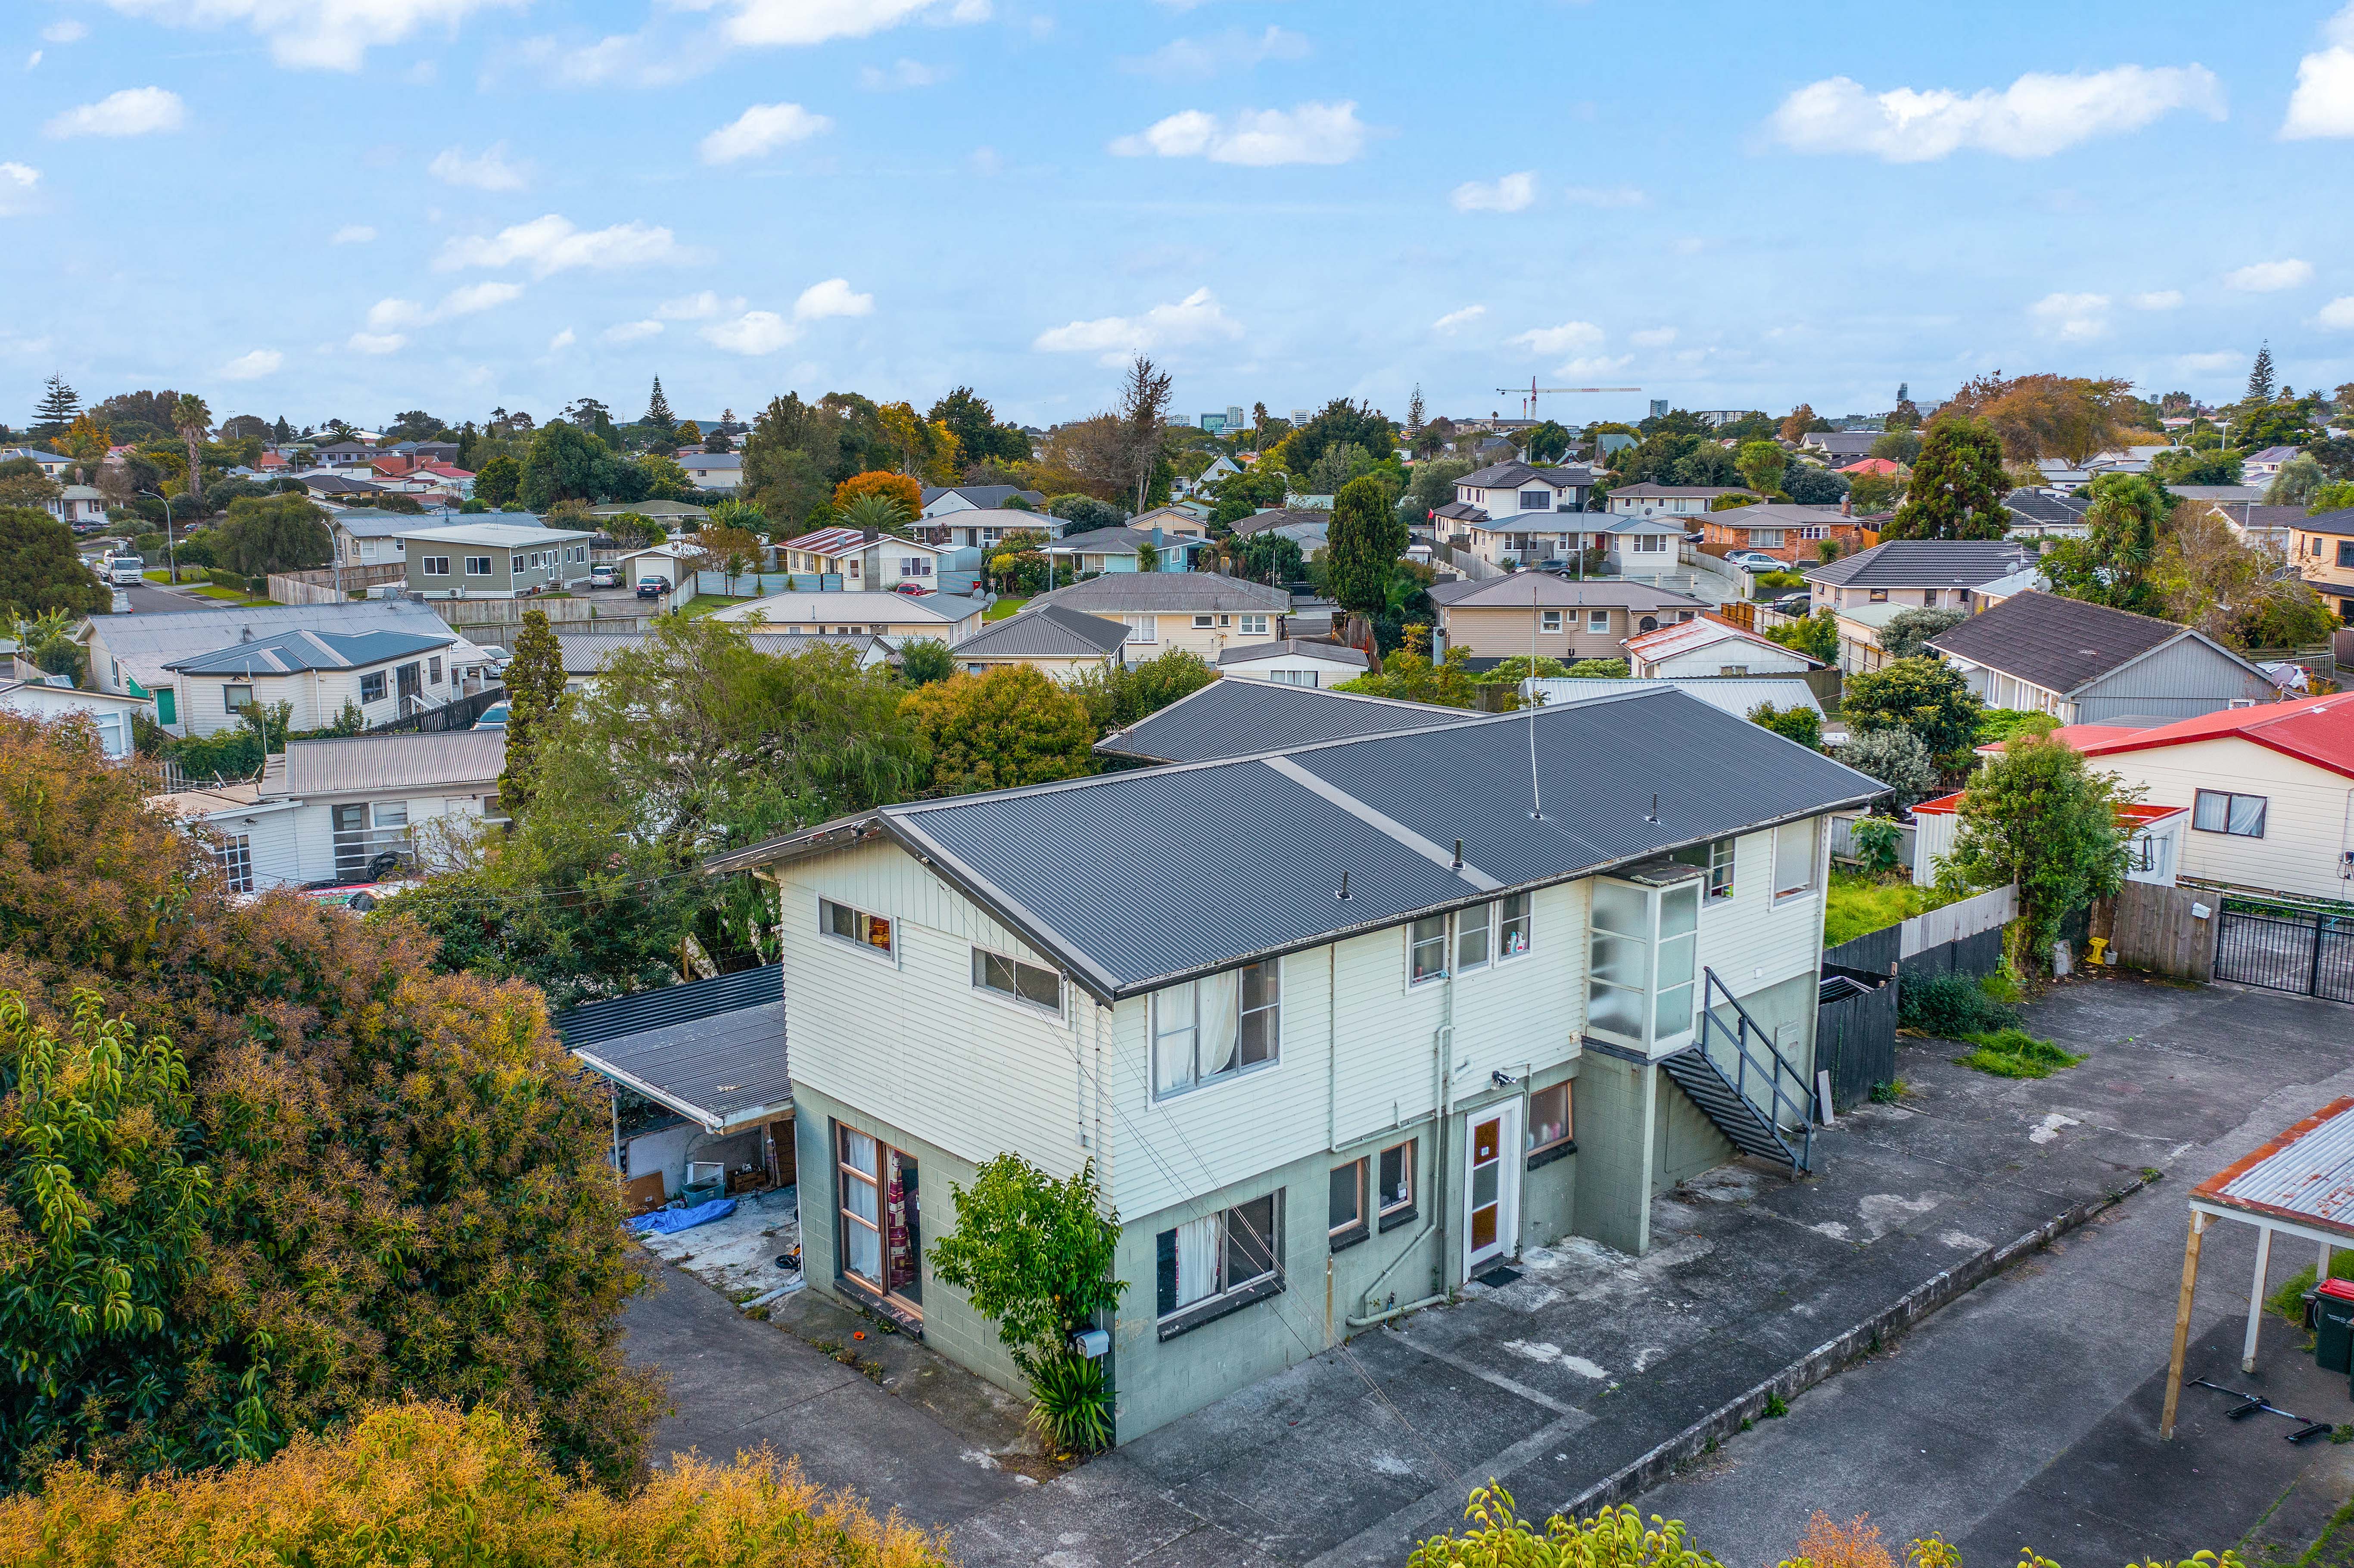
<point>226,595</point>
<point>1859,904</point>
<point>711,604</point>
<point>1003,608</point>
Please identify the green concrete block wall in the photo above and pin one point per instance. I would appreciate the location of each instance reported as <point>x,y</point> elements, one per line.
<point>1615,1150</point>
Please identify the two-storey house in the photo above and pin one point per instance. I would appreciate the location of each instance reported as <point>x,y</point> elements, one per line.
<point>1387,1011</point>
<point>1553,616</point>
<point>1200,612</point>
<point>1868,588</point>
<point>2323,548</point>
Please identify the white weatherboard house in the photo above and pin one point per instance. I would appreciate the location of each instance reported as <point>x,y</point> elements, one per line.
<point>1327,1062</point>
<point>110,715</point>
<point>329,812</point>
<point>132,654</point>
<point>384,674</point>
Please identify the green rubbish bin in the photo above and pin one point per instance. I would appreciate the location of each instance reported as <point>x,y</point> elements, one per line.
<point>2333,1326</point>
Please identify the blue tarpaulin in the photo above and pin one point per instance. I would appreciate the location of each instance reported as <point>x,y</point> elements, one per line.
<point>669,1222</point>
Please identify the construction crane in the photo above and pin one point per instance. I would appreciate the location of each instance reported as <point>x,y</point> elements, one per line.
<point>1530,394</point>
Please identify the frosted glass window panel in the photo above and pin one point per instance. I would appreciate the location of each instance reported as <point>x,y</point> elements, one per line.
<point>1174,1031</point>
<point>1674,1014</point>
<point>1621,961</point>
<point>1623,909</point>
<point>1793,857</point>
<point>1680,910</point>
<point>1614,1010</point>
<point>1471,938</point>
<point>1675,965</point>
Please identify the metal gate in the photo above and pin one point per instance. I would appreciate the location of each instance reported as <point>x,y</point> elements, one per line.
<point>2282,948</point>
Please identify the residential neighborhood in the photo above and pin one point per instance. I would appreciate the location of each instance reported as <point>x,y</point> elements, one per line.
<point>1400,858</point>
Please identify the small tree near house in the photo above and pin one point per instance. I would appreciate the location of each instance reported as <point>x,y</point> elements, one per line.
<point>2037,815</point>
<point>1036,1254</point>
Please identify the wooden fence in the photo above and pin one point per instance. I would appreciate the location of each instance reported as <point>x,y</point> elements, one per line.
<point>319,584</point>
<point>2156,928</point>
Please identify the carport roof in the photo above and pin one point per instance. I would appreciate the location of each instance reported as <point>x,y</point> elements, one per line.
<point>2305,1176</point>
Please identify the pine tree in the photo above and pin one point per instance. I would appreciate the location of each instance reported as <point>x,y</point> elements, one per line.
<point>535,684</point>
<point>281,431</point>
<point>657,412</point>
<point>1414,411</point>
<point>2260,376</point>
<point>58,405</point>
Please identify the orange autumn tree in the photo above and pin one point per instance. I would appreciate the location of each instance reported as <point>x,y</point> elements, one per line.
<point>902,488</point>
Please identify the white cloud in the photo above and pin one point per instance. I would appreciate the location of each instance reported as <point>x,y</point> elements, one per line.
<point>318,35</point>
<point>1461,318</point>
<point>134,112</point>
<point>1235,49</point>
<point>1508,193</point>
<point>763,128</point>
<point>375,343</point>
<point>625,60</point>
<point>1596,364</point>
<point>822,302</point>
<point>753,333</point>
<point>489,170</point>
<point>795,22</point>
<point>352,234</point>
<point>2322,103</point>
<point>387,316</point>
<point>697,307</point>
<point>903,73</point>
<point>631,331</point>
<point>1567,338</point>
<point>32,59</point>
<point>67,31</point>
<point>552,244</point>
<point>1606,195</point>
<point>986,163</point>
<point>562,341</point>
<point>1261,138</point>
<point>1196,318</point>
<point>253,367</point>
<point>2034,117</point>
<point>18,183</point>
<point>2266,277</point>
<point>2157,299</point>
<point>2073,318</point>
<point>1653,337</point>
<point>2221,359</point>
<point>2339,312</point>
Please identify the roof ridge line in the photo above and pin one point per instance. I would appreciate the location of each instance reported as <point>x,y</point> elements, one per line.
<point>1380,821</point>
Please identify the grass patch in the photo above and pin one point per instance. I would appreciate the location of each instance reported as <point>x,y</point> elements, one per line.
<point>2287,1302</point>
<point>2013,1052</point>
<point>1856,904</point>
<point>1953,1007</point>
<point>709,604</point>
<point>227,595</point>
<point>1003,609</point>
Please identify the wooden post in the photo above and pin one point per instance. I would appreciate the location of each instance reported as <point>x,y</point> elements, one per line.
<point>2256,1296</point>
<point>2181,1325</point>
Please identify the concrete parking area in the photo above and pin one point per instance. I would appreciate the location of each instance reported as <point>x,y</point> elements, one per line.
<point>2008,1419</point>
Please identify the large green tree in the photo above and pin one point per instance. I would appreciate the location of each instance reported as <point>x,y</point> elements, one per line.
<point>1340,422</point>
<point>498,480</point>
<point>2111,565</point>
<point>1761,464</point>
<point>409,1188</point>
<point>273,533</point>
<point>56,409</point>
<point>1358,559</point>
<point>534,686</point>
<point>1120,696</point>
<point>194,421</point>
<point>1957,484</point>
<point>563,463</point>
<point>979,438</point>
<point>40,570</point>
<point>2036,816</point>
<point>1008,727</point>
<point>1923,694</point>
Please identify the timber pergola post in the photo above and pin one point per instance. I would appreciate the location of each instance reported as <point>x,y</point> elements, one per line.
<point>2297,1184</point>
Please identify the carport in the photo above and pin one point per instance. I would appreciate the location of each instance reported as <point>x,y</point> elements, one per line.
<point>2300,1185</point>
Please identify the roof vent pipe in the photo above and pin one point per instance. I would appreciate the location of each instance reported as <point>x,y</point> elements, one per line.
<point>1343,894</point>
<point>1458,855</point>
<point>1654,817</point>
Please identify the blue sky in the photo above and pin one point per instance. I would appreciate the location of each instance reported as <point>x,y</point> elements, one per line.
<point>353,206</point>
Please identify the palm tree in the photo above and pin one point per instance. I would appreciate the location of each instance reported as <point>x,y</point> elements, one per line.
<point>193,421</point>
<point>883,514</point>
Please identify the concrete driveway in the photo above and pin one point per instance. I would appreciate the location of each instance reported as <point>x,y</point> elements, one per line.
<point>2016,1416</point>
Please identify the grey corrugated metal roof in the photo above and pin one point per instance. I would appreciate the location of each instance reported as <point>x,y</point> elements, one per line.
<point>1239,718</point>
<point>1523,590</point>
<point>1046,632</point>
<point>668,1005</point>
<point>288,652</point>
<point>1735,695</point>
<point>1139,593</point>
<point>145,643</point>
<point>1296,647</point>
<point>725,1070</point>
<point>1257,870</point>
<point>1925,563</point>
<point>388,764</point>
<point>2307,1174</point>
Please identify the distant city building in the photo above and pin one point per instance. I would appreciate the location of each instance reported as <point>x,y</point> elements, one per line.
<point>1658,408</point>
<point>1234,416</point>
<point>1299,415</point>
<point>1215,423</point>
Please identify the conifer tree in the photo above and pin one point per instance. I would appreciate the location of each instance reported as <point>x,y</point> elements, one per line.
<point>58,405</point>
<point>657,412</point>
<point>2260,375</point>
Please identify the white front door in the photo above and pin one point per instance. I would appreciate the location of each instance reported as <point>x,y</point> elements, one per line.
<point>1491,1185</point>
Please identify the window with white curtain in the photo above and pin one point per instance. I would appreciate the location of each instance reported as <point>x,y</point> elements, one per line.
<point>1794,858</point>
<point>1219,1024</point>
<point>2216,812</point>
<point>1220,1255</point>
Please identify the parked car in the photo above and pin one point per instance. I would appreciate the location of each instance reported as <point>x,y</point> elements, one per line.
<point>653,587</point>
<point>604,577</point>
<point>1754,560</point>
<point>1794,604</point>
<point>493,717</point>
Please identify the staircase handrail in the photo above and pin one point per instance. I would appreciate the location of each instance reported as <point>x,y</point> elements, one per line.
<point>1795,1096</point>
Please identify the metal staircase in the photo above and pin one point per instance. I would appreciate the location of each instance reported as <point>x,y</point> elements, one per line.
<point>1744,1084</point>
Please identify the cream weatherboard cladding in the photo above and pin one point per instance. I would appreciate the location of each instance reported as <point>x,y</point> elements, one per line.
<point>2308,812</point>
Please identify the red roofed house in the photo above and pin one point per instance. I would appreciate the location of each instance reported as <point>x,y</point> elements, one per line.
<point>2270,790</point>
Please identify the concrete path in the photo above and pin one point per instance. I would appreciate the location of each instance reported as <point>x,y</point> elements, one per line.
<point>2027,1414</point>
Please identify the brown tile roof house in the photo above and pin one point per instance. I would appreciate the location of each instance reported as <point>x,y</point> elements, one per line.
<point>2085,663</point>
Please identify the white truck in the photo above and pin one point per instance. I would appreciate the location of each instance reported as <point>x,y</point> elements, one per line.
<point>123,571</point>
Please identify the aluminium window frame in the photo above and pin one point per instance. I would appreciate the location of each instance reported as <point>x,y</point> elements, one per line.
<point>887,955</point>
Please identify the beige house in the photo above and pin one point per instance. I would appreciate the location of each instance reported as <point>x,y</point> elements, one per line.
<point>1198,612</point>
<point>946,616</point>
<point>1059,643</point>
<point>1554,617</point>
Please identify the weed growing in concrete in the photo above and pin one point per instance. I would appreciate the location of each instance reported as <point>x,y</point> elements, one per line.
<point>2288,1300</point>
<point>1889,1093</point>
<point>2012,1052</point>
<point>1776,1407</point>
